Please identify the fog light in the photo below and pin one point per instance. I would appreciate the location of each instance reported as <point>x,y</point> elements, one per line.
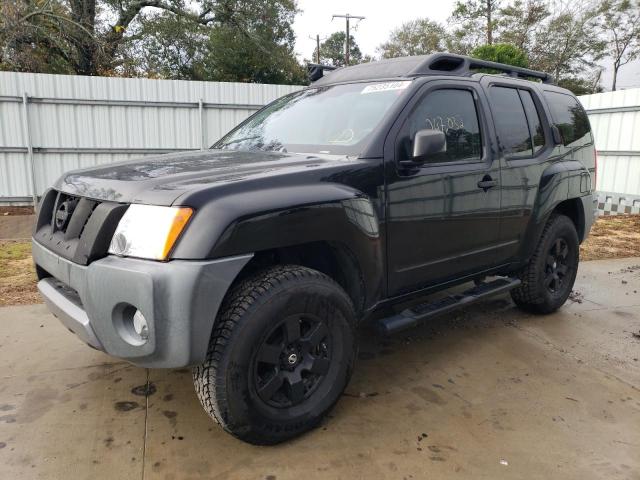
<point>140,325</point>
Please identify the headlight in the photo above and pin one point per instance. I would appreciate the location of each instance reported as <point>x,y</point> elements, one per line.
<point>148,231</point>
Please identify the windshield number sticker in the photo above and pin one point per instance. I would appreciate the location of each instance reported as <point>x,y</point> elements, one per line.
<point>385,87</point>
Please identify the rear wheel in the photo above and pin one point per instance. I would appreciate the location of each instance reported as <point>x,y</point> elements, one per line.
<point>548,278</point>
<point>280,356</point>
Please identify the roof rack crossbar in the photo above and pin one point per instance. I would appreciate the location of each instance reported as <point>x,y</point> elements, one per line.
<point>461,65</point>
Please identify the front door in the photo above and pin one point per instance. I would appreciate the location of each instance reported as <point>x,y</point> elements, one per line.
<point>444,214</point>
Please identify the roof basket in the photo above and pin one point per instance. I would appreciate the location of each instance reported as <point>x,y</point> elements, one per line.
<point>460,65</point>
<point>316,70</point>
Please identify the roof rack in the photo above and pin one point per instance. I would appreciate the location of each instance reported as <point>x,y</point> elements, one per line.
<point>316,70</point>
<point>434,64</point>
<point>461,65</point>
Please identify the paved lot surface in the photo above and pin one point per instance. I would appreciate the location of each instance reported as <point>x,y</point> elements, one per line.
<point>489,392</point>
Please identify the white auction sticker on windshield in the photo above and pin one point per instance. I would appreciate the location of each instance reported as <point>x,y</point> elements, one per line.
<point>385,87</point>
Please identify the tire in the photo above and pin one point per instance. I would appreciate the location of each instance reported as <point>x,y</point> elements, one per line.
<point>549,276</point>
<point>280,356</point>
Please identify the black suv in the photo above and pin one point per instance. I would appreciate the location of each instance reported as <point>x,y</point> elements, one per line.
<point>348,201</point>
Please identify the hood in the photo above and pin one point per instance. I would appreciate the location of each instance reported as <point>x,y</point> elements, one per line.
<point>162,179</point>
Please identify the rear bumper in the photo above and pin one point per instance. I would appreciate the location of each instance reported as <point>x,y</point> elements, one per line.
<point>590,209</point>
<point>179,299</point>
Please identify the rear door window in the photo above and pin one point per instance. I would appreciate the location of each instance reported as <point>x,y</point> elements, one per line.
<point>570,118</point>
<point>511,122</point>
<point>533,116</point>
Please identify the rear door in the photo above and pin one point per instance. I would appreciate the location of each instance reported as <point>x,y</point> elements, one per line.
<point>525,151</point>
<point>442,215</point>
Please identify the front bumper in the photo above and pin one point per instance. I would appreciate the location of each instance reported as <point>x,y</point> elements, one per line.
<point>179,299</point>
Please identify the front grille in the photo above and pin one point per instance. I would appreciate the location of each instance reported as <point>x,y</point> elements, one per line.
<point>76,228</point>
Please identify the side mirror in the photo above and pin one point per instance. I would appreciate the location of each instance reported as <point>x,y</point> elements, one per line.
<point>428,142</point>
<point>557,136</point>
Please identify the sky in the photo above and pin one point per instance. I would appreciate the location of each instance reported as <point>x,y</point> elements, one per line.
<point>384,16</point>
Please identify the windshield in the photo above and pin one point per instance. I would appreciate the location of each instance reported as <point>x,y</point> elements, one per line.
<point>335,119</point>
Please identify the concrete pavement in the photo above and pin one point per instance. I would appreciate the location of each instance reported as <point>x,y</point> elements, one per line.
<point>488,392</point>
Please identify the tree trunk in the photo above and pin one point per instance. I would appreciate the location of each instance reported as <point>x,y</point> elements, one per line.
<point>615,77</point>
<point>83,12</point>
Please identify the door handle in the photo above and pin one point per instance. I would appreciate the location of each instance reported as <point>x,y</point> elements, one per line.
<point>487,182</point>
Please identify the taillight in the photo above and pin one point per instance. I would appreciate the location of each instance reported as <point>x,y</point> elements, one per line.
<point>595,171</point>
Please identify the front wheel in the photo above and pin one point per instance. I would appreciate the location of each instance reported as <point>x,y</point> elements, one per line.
<point>280,356</point>
<point>548,278</point>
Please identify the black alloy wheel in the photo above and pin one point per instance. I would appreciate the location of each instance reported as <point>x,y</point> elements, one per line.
<point>549,275</point>
<point>281,353</point>
<point>558,266</point>
<point>292,361</point>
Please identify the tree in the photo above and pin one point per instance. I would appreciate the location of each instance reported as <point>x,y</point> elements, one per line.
<point>98,37</point>
<point>259,50</point>
<point>332,50</point>
<point>24,46</point>
<point>166,46</point>
<point>415,37</point>
<point>567,45</point>
<point>518,22</point>
<point>476,17</point>
<point>620,25</point>
<point>262,52</point>
<point>502,53</point>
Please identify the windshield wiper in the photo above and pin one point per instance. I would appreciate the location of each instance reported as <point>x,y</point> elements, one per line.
<point>238,140</point>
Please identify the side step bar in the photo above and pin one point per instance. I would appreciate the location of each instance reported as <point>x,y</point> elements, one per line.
<point>413,316</point>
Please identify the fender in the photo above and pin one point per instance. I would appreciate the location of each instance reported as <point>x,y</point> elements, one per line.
<point>271,218</point>
<point>557,184</point>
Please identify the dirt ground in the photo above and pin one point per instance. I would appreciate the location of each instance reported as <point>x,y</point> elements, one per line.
<point>613,237</point>
<point>610,237</point>
<point>6,211</point>
<point>17,275</point>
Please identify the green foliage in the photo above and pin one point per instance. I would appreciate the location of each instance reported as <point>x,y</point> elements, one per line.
<point>415,37</point>
<point>502,53</point>
<point>580,86</point>
<point>332,50</point>
<point>168,46</point>
<point>234,40</point>
<point>557,37</point>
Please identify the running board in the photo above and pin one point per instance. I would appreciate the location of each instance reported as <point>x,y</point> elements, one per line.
<point>413,316</point>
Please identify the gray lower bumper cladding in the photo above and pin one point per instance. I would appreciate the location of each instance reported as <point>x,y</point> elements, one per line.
<point>179,300</point>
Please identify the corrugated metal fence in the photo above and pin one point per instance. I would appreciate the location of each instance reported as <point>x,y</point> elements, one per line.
<point>615,120</point>
<point>53,123</point>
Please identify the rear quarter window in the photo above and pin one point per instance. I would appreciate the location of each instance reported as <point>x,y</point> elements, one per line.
<point>570,118</point>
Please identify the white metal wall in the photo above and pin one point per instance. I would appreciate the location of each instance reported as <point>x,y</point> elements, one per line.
<point>615,120</point>
<point>74,122</point>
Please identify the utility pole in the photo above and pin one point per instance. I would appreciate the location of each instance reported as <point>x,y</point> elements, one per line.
<point>317,39</point>
<point>347,17</point>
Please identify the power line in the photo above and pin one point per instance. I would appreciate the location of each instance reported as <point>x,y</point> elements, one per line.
<point>347,17</point>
